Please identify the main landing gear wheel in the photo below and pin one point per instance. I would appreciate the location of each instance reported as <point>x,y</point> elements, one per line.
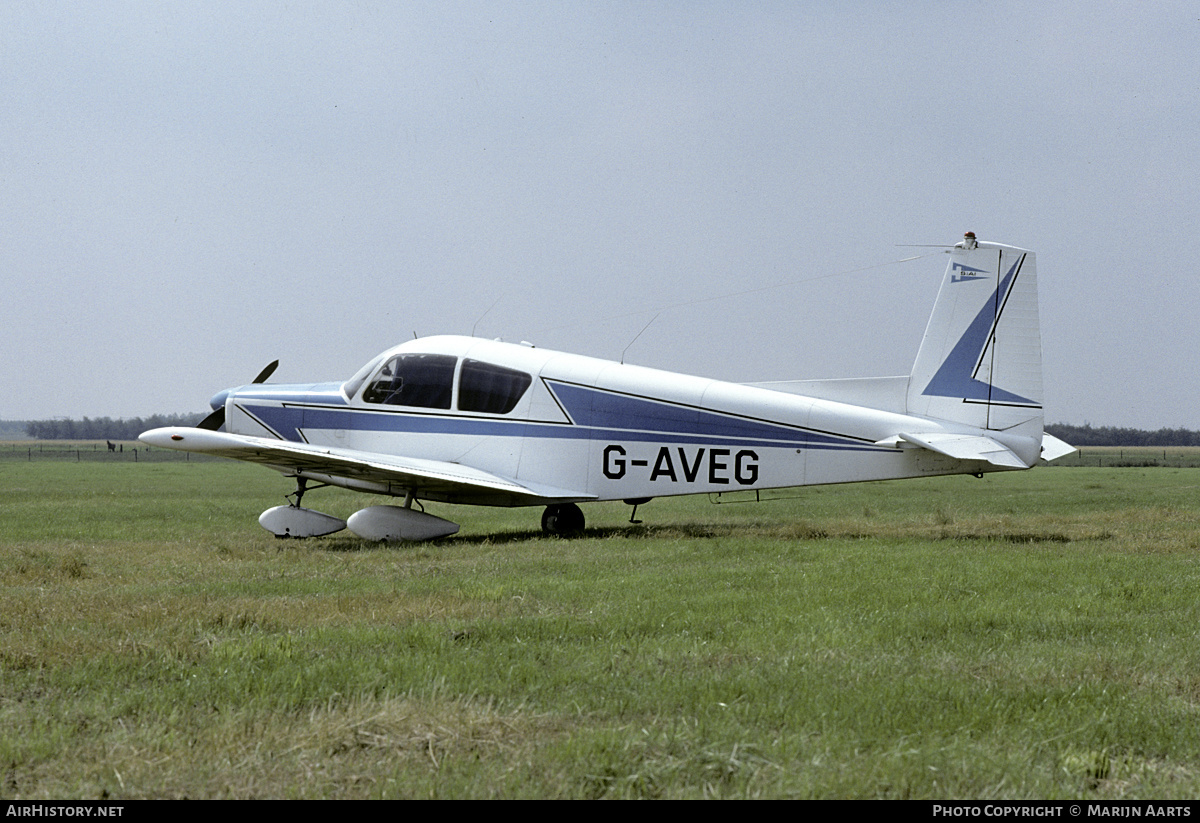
<point>562,519</point>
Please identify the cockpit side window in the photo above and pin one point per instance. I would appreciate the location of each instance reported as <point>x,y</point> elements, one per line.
<point>483,387</point>
<point>420,380</point>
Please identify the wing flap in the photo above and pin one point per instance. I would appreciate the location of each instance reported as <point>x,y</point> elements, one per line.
<point>391,474</point>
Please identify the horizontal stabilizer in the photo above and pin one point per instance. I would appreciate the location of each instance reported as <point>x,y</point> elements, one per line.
<point>1053,448</point>
<point>963,447</point>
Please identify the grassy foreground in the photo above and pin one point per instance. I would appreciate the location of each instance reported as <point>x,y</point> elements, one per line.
<point>1026,635</point>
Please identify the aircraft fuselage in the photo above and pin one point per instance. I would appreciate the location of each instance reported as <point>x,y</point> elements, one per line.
<point>607,430</point>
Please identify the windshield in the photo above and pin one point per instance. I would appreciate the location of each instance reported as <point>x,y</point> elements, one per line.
<point>351,386</point>
<point>421,380</point>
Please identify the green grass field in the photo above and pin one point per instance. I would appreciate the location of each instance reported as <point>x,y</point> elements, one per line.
<point>1028,635</point>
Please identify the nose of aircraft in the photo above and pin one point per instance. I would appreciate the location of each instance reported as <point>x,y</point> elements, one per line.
<point>217,419</point>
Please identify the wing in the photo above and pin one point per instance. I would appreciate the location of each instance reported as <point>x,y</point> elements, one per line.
<point>365,471</point>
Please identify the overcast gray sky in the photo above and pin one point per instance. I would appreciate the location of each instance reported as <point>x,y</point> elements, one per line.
<point>188,191</point>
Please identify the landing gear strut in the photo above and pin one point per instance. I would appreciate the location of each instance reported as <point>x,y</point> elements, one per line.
<point>562,519</point>
<point>301,487</point>
<point>293,520</point>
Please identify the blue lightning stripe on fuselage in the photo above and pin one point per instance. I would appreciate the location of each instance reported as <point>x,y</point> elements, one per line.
<point>611,414</point>
<point>595,414</point>
<point>614,413</point>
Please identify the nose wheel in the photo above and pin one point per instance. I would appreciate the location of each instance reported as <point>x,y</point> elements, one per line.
<point>562,519</point>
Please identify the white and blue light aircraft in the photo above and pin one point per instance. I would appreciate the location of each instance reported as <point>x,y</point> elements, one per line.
<point>479,422</point>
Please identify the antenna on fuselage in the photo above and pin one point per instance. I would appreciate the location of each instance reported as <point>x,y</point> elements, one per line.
<point>485,314</point>
<point>636,336</point>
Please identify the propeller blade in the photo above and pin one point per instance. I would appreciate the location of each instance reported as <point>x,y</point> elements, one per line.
<point>214,421</point>
<point>267,372</point>
<point>217,419</point>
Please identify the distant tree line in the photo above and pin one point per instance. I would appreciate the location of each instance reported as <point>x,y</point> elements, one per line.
<point>1088,435</point>
<point>105,428</point>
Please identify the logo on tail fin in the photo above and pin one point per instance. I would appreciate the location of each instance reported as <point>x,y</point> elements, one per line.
<point>965,274</point>
<point>956,377</point>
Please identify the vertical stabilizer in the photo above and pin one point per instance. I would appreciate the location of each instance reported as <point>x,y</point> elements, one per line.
<point>980,362</point>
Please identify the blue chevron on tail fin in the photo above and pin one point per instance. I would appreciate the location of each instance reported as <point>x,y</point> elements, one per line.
<point>980,362</point>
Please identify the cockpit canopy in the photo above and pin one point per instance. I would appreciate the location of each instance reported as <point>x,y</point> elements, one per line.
<point>426,381</point>
<point>422,380</point>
